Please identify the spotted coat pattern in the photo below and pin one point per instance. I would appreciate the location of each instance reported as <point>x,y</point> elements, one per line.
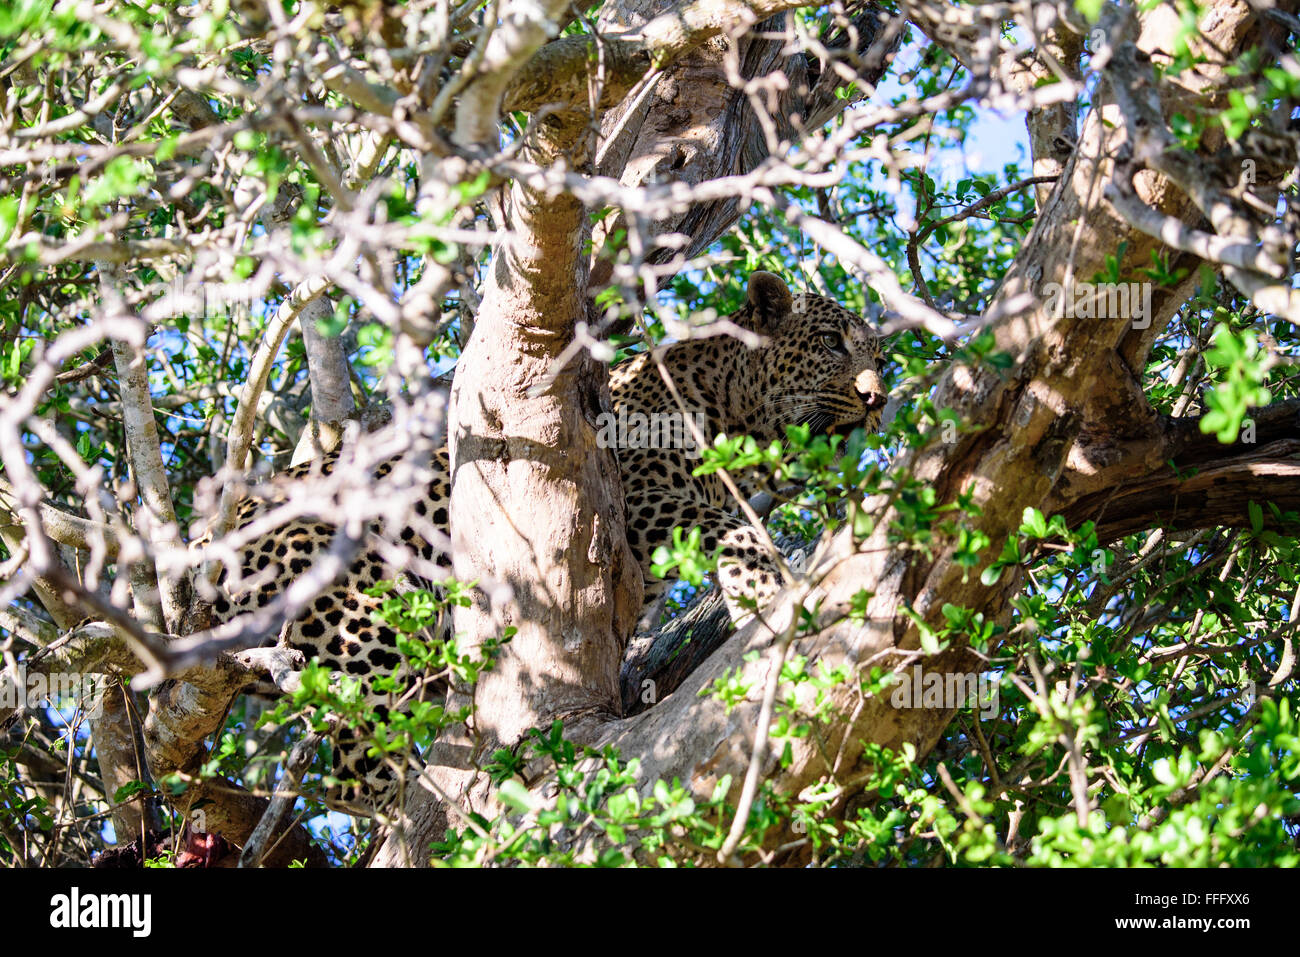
<point>818,365</point>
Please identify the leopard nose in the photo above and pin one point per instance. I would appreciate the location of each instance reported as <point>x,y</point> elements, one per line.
<point>867,385</point>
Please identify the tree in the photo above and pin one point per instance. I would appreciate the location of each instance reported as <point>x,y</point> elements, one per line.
<point>1047,616</point>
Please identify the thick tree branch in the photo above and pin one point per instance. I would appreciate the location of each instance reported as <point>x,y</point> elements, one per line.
<point>63,527</point>
<point>158,520</point>
<point>331,382</point>
<point>241,428</point>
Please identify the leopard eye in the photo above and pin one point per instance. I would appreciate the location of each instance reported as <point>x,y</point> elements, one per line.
<point>835,343</point>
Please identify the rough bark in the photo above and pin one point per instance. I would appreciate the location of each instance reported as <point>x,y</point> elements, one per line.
<point>120,752</point>
<point>182,714</point>
<point>536,509</point>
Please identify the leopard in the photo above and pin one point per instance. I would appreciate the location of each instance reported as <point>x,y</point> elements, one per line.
<point>819,366</point>
<point>801,360</point>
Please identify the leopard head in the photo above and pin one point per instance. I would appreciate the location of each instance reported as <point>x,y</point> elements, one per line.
<point>820,365</point>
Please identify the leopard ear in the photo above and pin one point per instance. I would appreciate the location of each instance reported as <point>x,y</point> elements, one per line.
<point>770,298</point>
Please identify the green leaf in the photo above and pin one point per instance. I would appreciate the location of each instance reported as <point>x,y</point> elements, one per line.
<point>516,795</point>
<point>126,791</point>
<point>8,216</point>
<point>1089,9</point>
<point>1238,365</point>
<point>1033,524</point>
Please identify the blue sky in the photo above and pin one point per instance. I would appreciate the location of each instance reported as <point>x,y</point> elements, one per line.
<point>994,141</point>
